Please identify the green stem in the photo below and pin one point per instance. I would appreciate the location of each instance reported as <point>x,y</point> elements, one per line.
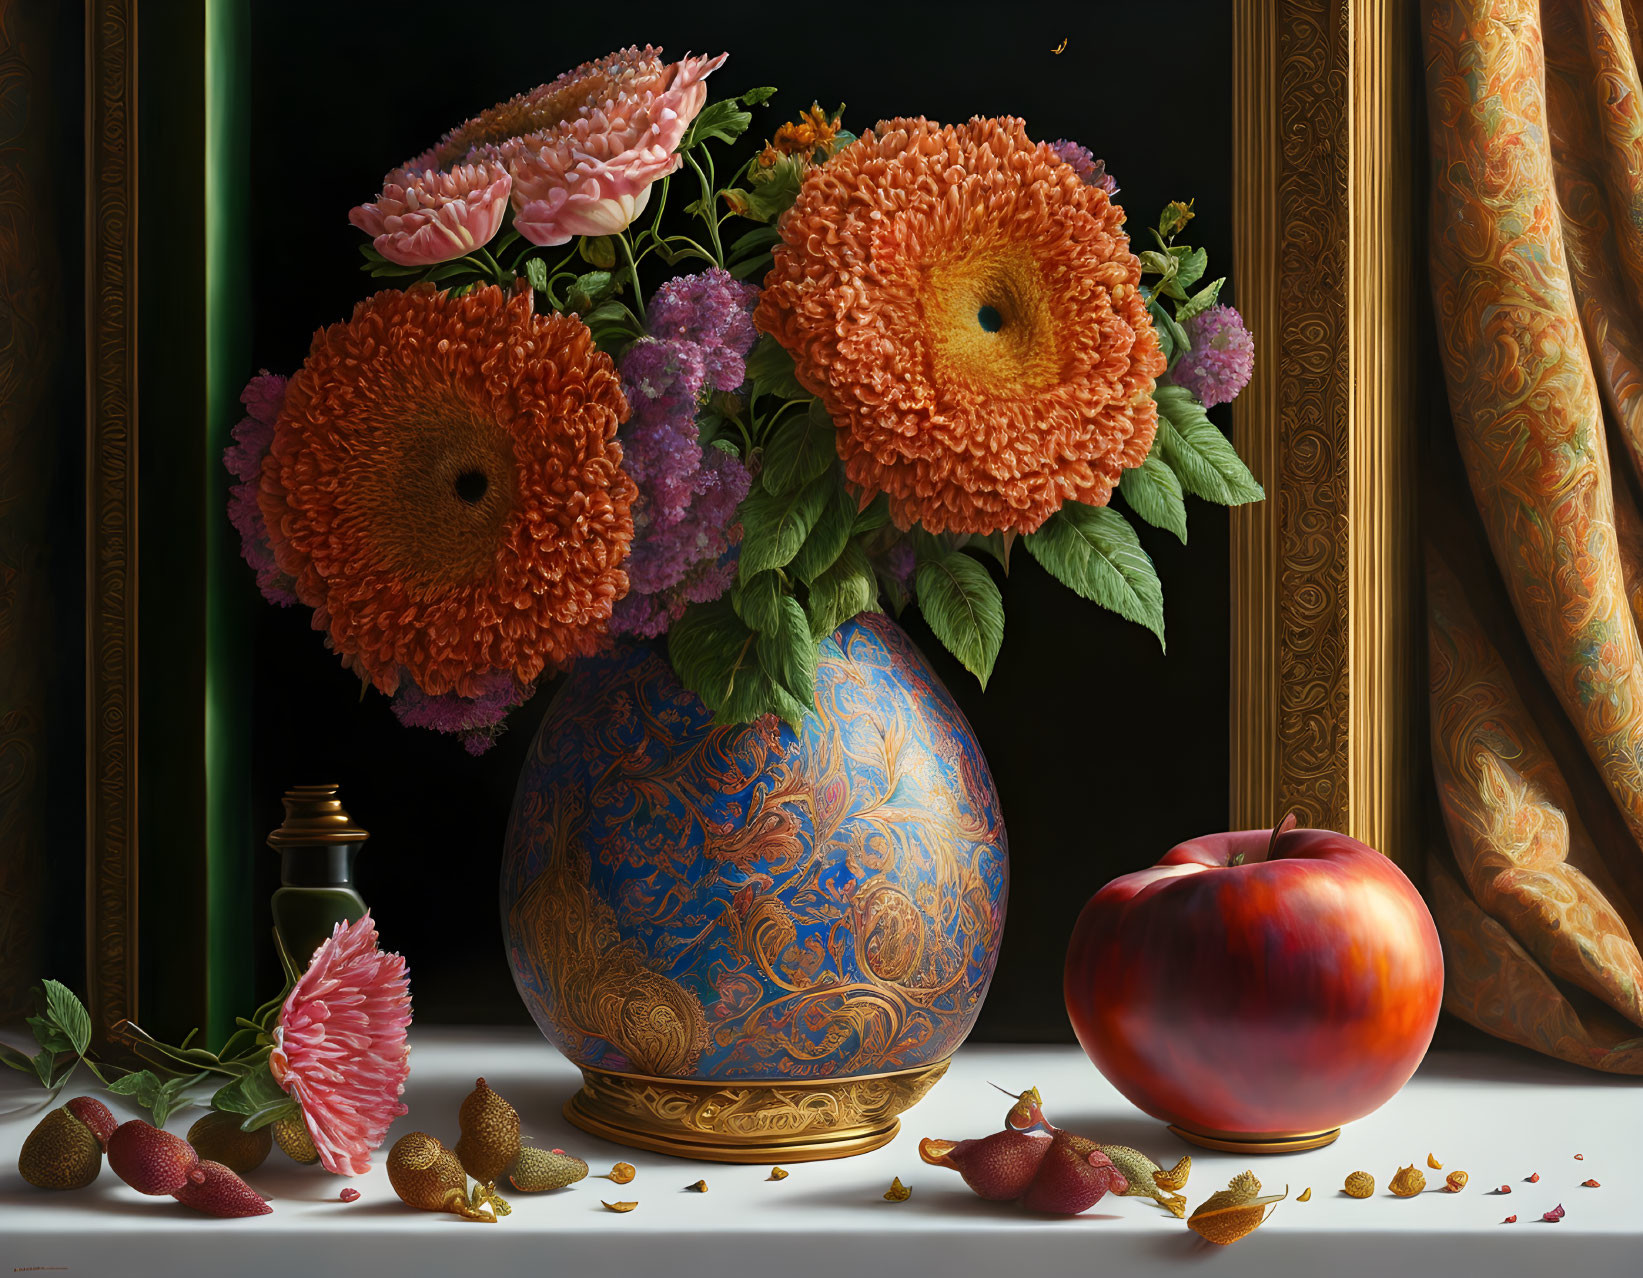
<point>709,209</point>
<point>633,274</point>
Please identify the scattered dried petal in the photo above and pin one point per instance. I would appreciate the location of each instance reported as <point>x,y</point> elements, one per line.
<point>1231,1213</point>
<point>1590,1184</point>
<point>1306,1195</point>
<point>1408,1182</point>
<point>1504,1189</point>
<point>1579,1157</point>
<point>1360,1184</point>
<point>618,1206</point>
<point>1455,1182</point>
<point>777,1173</point>
<point>622,1173</point>
<point>1555,1215</point>
<point>1510,1220</point>
<point>348,1195</point>
<point>1432,1162</point>
<point>1533,1179</point>
<point>898,1192</point>
<point>700,1187</point>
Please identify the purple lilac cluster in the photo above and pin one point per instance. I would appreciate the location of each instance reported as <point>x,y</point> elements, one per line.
<point>1091,171</point>
<point>263,397</point>
<point>476,721</point>
<point>684,534</point>
<point>1222,358</point>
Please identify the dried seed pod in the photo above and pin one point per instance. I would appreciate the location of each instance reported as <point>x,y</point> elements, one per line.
<point>62,1152</point>
<point>619,1206</point>
<point>1433,1163</point>
<point>1306,1195</point>
<point>898,1192</point>
<point>1408,1182</point>
<point>489,1142</point>
<point>152,1161</point>
<point>621,1173</point>
<point>998,1167</point>
<point>1234,1212</point>
<point>778,1173</point>
<point>1590,1184</point>
<point>1455,1181</point>
<point>221,1193</point>
<point>349,1195</point>
<point>1553,1216</point>
<point>1534,1179</point>
<point>1360,1184</point>
<point>700,1187</point>
<point>291,1135</point>
<point>1510,1220</point>
<point>218,1138</point>
<point>1504,1189</point>
<point>429,1177</point>
<point>535,1171</point>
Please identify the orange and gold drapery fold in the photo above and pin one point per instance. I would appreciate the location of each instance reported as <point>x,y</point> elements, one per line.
<point>1536,667</point>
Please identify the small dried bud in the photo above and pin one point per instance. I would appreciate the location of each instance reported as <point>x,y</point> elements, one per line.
<point>898,1192</point>
<point>700,1187</point>
<point>1590,1184</point>
<point>1553,1216</point>
<point>1510,1220</point>
<point>1504,1189</point>
<point>1360,1184</point>
<point>621,1173</point>
<point>349,1195</point>
<point>1306,1195</point>
<point>618,1206</point>
<point>1433,1163</point>
<point>1455,1181</point>
<point>777,1173</point>
<point>1533,1180</point>
<point>1408,1182</point>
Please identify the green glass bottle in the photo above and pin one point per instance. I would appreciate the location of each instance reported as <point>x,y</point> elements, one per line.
<point>317,846</point>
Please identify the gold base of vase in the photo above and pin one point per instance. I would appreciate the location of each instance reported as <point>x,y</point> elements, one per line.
<point>1261,1144</point>
<point>790,1121</point>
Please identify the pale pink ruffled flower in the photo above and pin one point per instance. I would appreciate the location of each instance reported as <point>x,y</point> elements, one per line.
<point>424,217</point>
<point>340,1049</point>
<point>619,123</point>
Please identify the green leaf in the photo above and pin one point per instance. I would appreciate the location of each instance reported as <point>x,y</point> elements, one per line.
<point>846,589</point>
<point>761,94</point>
<point>996,544</point>
<point>723,120</point>
<point>760,237</point>
<point>49,1035</point>
<point>788,656</point>
<point>16,1059</point>
<point>1094,551</point>
<point>1200,302</point>
<point>251,1093</point>
<point>1171,335</point>
<point>964,609</point>
<point>536,271</point>
<point>1153,491</point>
<point>771,191</point>
<point>712,650</point>
<point>69,1013</point>
<point>142,1087</point>
<point>826,540</point>
<point>774,525</point>
<point>759,265</point>
<point>1203,458</point>
<point>871,517</point>
<point>597,250</point>
<point>589,290</point>
<point>45,1065</point>
<point>1189,268</point>
<point>800,450</point>
<point>270,1113</point>
<point>759,600</point>
<point>169,1098</point>
<point>770,369</point>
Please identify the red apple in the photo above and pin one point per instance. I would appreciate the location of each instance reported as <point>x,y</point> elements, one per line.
<point>1254,986</point>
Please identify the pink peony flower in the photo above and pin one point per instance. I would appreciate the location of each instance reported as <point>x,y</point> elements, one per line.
<point>339,1048</point>
<point>424,217</point>
<point>613,130</point>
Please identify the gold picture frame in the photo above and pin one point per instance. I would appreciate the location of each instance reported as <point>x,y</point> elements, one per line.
<point>1326,712</point>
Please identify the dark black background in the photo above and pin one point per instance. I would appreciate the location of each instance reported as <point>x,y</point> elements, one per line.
<point>1105,751</point>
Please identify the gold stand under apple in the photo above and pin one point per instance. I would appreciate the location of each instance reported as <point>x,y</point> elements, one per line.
<point>1257,1142</point>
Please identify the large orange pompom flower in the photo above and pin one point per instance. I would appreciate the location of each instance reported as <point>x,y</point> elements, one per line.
<point>446,488</point>
<point>968,311</point>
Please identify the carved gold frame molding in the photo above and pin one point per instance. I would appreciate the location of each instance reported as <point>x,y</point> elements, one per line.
<point>1326,716</point>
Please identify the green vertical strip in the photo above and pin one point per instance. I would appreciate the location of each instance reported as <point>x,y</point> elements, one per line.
<point>229,846</point>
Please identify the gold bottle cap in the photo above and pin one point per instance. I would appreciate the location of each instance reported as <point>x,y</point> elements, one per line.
<point>314,815</point>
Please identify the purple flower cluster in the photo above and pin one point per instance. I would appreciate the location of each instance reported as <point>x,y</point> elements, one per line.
<point>1091,171</point>
<point>1222,358</point>
<point>263,397</point>
<point>476,721</point>
<point>700,331</point>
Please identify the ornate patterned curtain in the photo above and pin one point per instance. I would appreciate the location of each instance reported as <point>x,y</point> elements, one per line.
<point>1536,669</point>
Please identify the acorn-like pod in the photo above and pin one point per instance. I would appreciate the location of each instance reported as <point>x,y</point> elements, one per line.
<point>1072,1177</point>
<point>152,1161</point>
<point>219,1138</point>
<point>428,1176</point>
<point>222,1193</point>
<point>999,1167</point>
<point>537,1170</point>
<point>291,1135</point>
<point>62,1152</point>
<point>489,1142</point>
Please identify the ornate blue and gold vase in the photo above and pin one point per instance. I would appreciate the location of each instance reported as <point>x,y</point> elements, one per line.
<point>758,945</point>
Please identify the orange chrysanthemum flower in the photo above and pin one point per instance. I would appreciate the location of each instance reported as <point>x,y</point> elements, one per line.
<point>813,131</point>
<point>446,488</point>
<point>968,311</point>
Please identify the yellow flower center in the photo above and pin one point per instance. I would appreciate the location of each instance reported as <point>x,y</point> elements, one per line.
<point>989,319</point>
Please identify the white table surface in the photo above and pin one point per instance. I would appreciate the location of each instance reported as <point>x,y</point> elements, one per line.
<point>1498,1116</point>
